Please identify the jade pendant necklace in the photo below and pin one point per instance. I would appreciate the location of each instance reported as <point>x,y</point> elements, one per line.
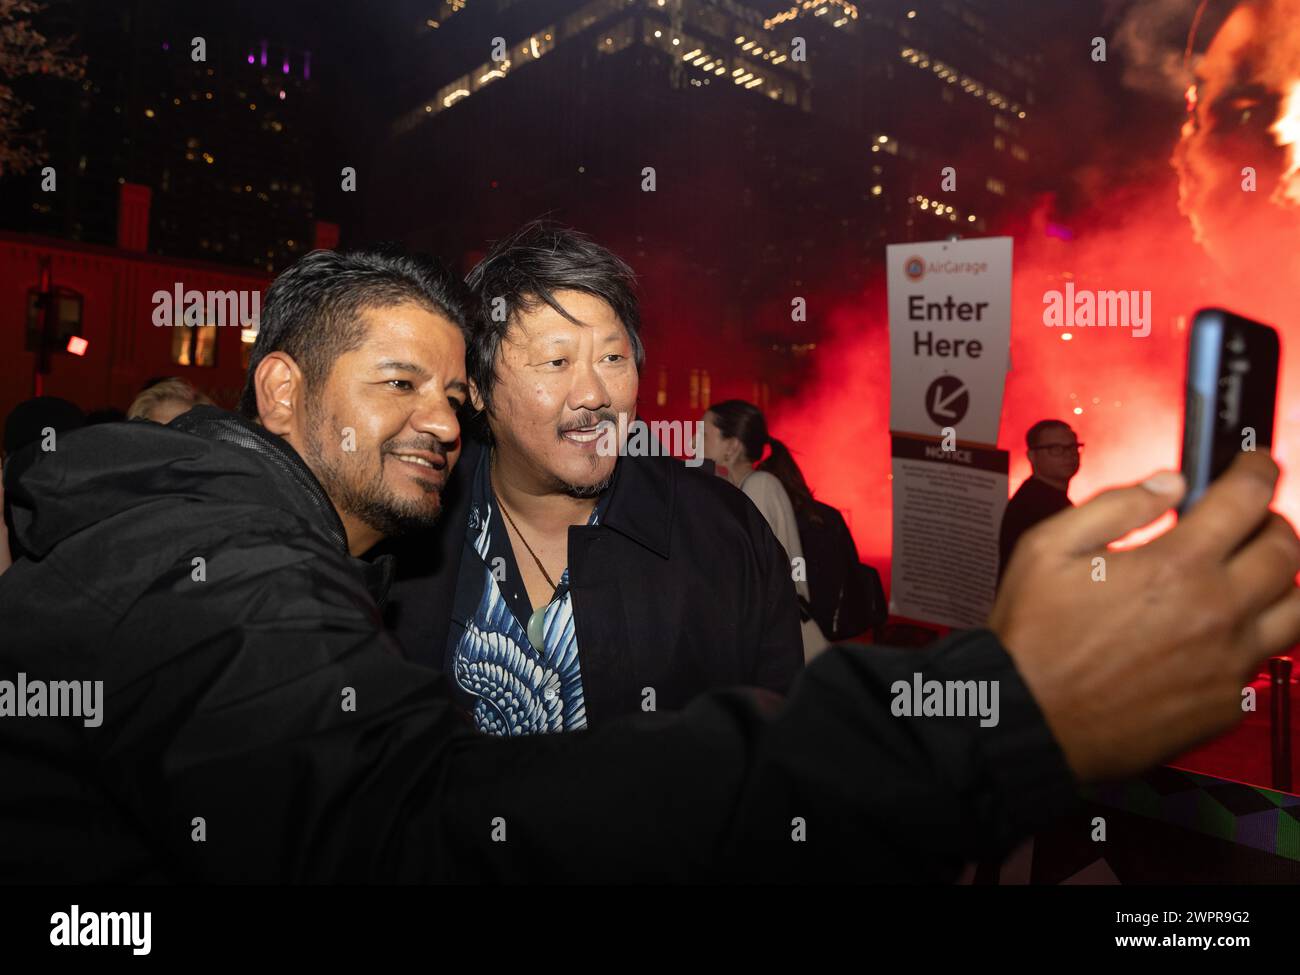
<point>536,622</point>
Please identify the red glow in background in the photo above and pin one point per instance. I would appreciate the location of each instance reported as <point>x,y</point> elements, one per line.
<point>1122,395</point>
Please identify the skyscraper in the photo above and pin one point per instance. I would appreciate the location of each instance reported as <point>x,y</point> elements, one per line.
<point>219,120</point>
<point>740,155</point>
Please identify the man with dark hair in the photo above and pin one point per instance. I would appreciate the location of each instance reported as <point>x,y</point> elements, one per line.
<point>1053,452</point>
<point>196,685</point>
<point>568,585</point>
<point>358,361</point>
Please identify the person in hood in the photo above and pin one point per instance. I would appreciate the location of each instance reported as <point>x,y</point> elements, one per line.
<point>196,684</point>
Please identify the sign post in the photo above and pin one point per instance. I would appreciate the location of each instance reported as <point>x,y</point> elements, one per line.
<point>949,352</point>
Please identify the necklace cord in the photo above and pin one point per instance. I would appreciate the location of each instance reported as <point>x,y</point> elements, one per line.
<point>541,568</point>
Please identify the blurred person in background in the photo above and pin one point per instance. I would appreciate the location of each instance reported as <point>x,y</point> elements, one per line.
<point>735,436</point>
<point>164,400</point>
<point>1053,451</point>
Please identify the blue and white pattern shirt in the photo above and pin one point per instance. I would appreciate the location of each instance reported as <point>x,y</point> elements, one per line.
<point>508,686</point>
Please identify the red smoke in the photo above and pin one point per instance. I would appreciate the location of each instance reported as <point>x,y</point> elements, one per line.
<point>1123,395</point>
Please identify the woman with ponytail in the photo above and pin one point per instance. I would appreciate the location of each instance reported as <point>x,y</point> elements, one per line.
<point>735,438</point>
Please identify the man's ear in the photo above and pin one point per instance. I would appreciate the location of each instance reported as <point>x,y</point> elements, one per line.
<point>279,385</point>
<point>475,399</point>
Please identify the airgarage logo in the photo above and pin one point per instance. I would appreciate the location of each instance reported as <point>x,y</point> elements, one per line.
<point>916,268</point>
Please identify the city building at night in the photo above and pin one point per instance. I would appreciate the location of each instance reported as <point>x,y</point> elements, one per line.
<point>708,138</point>
<point>225,143</point>
<point>106,309</point>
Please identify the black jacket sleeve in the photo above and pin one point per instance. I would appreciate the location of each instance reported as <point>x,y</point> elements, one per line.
<point>236,711</point>
<point>780,654</point>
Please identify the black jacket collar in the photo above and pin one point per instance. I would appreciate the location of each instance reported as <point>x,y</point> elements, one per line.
<point>641,496</point>
<point>641,502</point>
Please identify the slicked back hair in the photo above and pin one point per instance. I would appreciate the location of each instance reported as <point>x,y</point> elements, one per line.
<point>313,310</point>
<point>525,270</point>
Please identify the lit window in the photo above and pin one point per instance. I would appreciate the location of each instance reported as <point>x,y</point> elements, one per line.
<point>194,345</point>
<point>247,336</point>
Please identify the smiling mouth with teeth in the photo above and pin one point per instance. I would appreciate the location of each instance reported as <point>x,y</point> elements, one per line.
<point>416,460</point>
<point>586,434</point>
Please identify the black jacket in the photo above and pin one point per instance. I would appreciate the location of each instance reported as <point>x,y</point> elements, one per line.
<point>222,702</point>
<point>682,587</point>
<point>1034,501</point>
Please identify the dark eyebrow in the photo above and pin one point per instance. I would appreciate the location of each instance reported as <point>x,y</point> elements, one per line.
<point>396,366</point>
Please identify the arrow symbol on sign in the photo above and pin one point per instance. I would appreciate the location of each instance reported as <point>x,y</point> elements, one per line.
<point>941,403</point>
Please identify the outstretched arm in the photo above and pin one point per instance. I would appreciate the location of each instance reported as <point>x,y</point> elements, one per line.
<point>247,727</point>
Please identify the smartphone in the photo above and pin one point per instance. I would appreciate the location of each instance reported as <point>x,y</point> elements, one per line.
<point>1232,365</point>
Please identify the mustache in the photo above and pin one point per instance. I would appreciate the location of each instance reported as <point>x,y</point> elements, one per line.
<point>587,418</point>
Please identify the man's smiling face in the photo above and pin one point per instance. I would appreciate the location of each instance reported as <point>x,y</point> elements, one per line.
<point>397,394</point>
<point>558,382</point>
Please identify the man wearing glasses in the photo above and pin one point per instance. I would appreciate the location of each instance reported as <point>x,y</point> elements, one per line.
<point>1054,457</point>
